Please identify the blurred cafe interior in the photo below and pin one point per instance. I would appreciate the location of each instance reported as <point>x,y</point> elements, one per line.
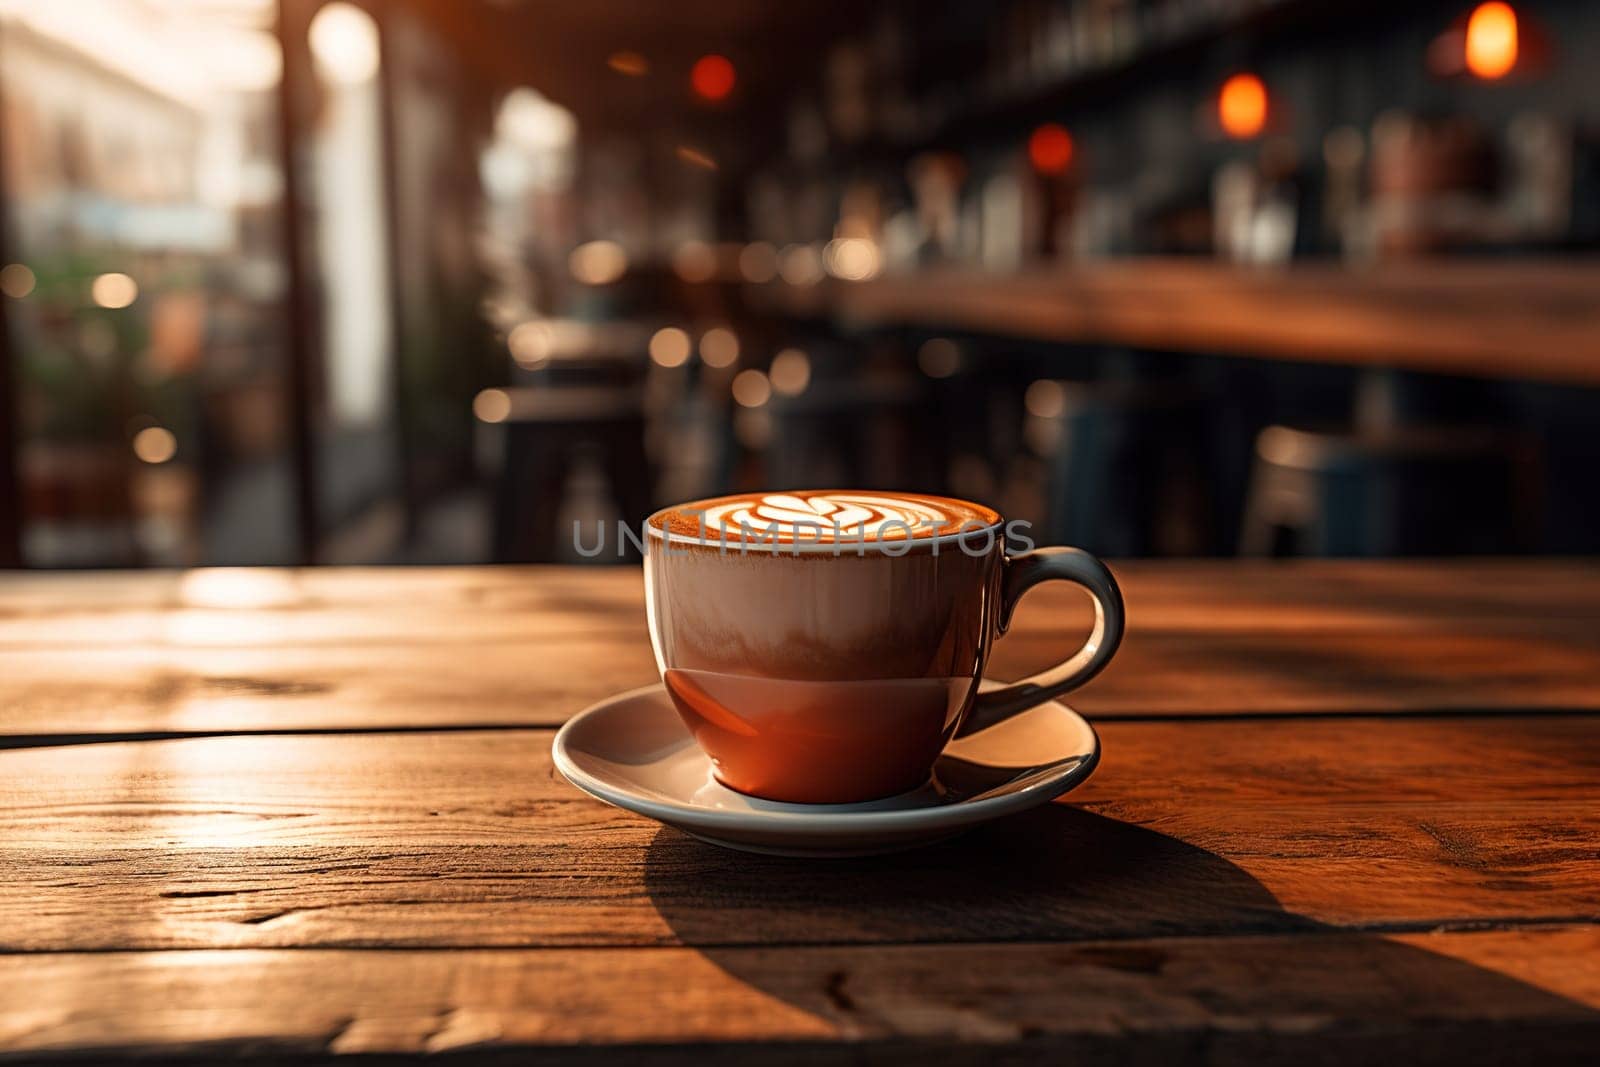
<point>428,281</point>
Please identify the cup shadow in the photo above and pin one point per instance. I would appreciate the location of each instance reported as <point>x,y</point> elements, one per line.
<point>1103,894</point>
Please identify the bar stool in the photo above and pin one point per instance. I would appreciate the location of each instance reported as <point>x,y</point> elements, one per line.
<point>974,387</point>
<point>851,433</point>
<point>1125,467</point>
<point>1395,492</point>
<point>577,402</point>
<point>548,434</point>
<point>564,352</point>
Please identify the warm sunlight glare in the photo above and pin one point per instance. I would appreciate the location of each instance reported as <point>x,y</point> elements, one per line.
<point>114,290</point>
<point>236,587</point>
<point>344,43</point>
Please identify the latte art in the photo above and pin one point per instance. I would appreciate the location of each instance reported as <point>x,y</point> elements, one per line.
<point>848,512</point>
<point>824,517</point>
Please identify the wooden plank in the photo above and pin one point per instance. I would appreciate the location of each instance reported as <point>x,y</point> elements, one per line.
<point>1529,319</point>
<point>157,689</point>
<point>257,608</point>
<point>1462,998</point>
<point>483,646</point>
<point>471,840</point>
<point>166,690</point>
<point>463,606</point>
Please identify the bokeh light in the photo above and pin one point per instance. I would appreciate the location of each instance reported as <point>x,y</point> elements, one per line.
<point>248,61</point>
<point>939,357</point>
<point>712,78</point>
<point>695,261</point>
<point>1242,106</point>
<point>694,157</point>
<point>17,280</point>
<point>155,444</point>
<point>344,44</point>
<point>1045,399</point>
<point>533,123</point>
<point>1492,44</point>
<point>752,427</point>
<point>628,63</point>
<point>791,372</point>
<point>1050,149</point>
<point>670,347</point>
<point>492,405</point>
<point>114,290</point>
<point>719,347</point>
<point>800,265</point>
<point>854,259</point>
<point>751,389</point>
<point>758,262</point>
<point>237,588</point>
<point>529,343</point>
<point>598,262</point>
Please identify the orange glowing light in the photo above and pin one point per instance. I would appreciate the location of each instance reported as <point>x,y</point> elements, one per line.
<point>631,64</point>
<point>694,157</point>
<point>712,77</point>
<point>1050,149</point>
<point>155,445</point>
<point>1242,106</point>
<point>1492,40</point>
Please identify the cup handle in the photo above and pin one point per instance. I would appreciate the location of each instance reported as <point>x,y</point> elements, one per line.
<point>1022,573</point>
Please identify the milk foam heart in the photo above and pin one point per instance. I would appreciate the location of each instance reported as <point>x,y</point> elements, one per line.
<point>824,517</point>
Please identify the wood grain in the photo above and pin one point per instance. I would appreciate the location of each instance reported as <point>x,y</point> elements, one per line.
<point>471,840</point>
<point>1472,997</point>
<point>1326,862</point>
<point>368,607</point>
<point>1529,320</point>
<point>356,649</point>
<point>164,690</point>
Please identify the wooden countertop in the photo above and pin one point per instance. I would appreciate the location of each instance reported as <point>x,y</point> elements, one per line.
<point>1528,319</point>
<point>1346,811</point>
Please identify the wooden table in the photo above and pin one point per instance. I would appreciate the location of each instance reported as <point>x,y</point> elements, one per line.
<point>1346,810</point>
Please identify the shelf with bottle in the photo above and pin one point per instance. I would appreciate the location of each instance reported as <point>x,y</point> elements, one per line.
<point>1063,54</point>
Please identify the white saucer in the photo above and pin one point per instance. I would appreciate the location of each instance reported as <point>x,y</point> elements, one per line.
<point>632,750</point>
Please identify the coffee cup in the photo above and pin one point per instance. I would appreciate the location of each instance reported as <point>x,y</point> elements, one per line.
<point>824,646</point>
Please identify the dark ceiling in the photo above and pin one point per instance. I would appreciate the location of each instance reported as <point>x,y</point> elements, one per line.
<point>561,48</point>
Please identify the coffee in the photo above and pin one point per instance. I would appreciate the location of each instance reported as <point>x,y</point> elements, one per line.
<point>815,741</point>
<point>825,517</point>
<point>824,646</point>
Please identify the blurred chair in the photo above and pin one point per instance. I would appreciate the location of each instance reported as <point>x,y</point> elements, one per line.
<point>549,433</point>
<point>1125,469</point>
<point>578,401</point>
<point>1403,491</point>
<point>974,386</point>
<point>564,352</point>
<point>851,433</point>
